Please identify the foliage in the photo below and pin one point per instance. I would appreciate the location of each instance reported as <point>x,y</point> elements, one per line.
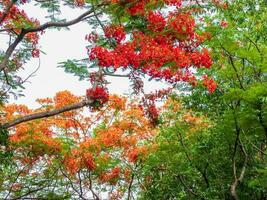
<point>202,138</point>
<point>227,160</point>
<point>100,150</point>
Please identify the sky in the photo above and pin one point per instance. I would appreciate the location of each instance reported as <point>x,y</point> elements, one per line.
<point>59,46</point>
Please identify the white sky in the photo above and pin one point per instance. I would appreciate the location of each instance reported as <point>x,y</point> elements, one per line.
<point>60,46</point>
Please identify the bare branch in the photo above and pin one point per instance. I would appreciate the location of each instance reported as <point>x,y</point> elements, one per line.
<point>95,196</point>
<point>130,187</point>
<point>242,173</point>
<point>72,185</point>
<point>238,179</point>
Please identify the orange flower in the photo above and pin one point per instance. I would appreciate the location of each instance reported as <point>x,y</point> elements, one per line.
<point>64,98</point>
<point>111,176</point>
<point>116,102</point>
<point>88,160</point>
<point>137,153</point>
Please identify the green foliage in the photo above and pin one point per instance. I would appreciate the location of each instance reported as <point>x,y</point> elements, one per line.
<point>76,68</point>
<point>202,167</point>
<point>192,160</point>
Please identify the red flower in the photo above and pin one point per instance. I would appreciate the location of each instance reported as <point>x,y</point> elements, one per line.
<point>168,51</point>
<point>156,21</point>
<point>224,24</point>
<point>116,32</point>
<point>35,53</point>
<point>209,83</point>
<point>182,23</point>
<point>98,94</point>
<point>177,3</point>
<point>202,59</point>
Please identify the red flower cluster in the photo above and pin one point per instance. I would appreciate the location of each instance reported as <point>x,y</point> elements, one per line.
<point>79,2</point>
<point>177,3</point>
<point>137,153</point>
<point>17,16</point>
<point>92,37</point>
<point>165,48</point>
<point>149,106</point>
<point>158,57</point>
<point>116,32</point>
<point>156,21</point>
<point>35,53</point>
<point>139,7</point>
<point>183,24</point>
<point>158,94</point>
<point>209,83</point>
<point>153,113</point>
<point>201,58</point>
<point>98,94</point>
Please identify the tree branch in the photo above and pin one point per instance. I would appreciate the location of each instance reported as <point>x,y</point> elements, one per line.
<point>190,190</point>
<point>261,120</point>
<point>234,67</point>
<point>95,196</point>
<point>23,32</point>
<point>72,185</point>
<point>242,173</point>
<point>130,187</point>
<point>62,24</point>
<point>49,113</point>
<point>11,48</point>
<point>239,179</point>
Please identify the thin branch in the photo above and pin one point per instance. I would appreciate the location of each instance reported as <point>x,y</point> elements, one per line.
<point>42,186</point>
<point>204,174</point>
<point>234,67</point>
<point>80,183</point>
<point>187,187</point>
<point>20,83</point>
<point>102,26</point>
<point>130,187</point>
<point>91,187</point>
<point>71,183</point>
<point>23,32</point>
<point>15,180</point>
<point>239,179</point>
<point>255,147</point>
<point>255,44</point>
<point>62,24</point>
